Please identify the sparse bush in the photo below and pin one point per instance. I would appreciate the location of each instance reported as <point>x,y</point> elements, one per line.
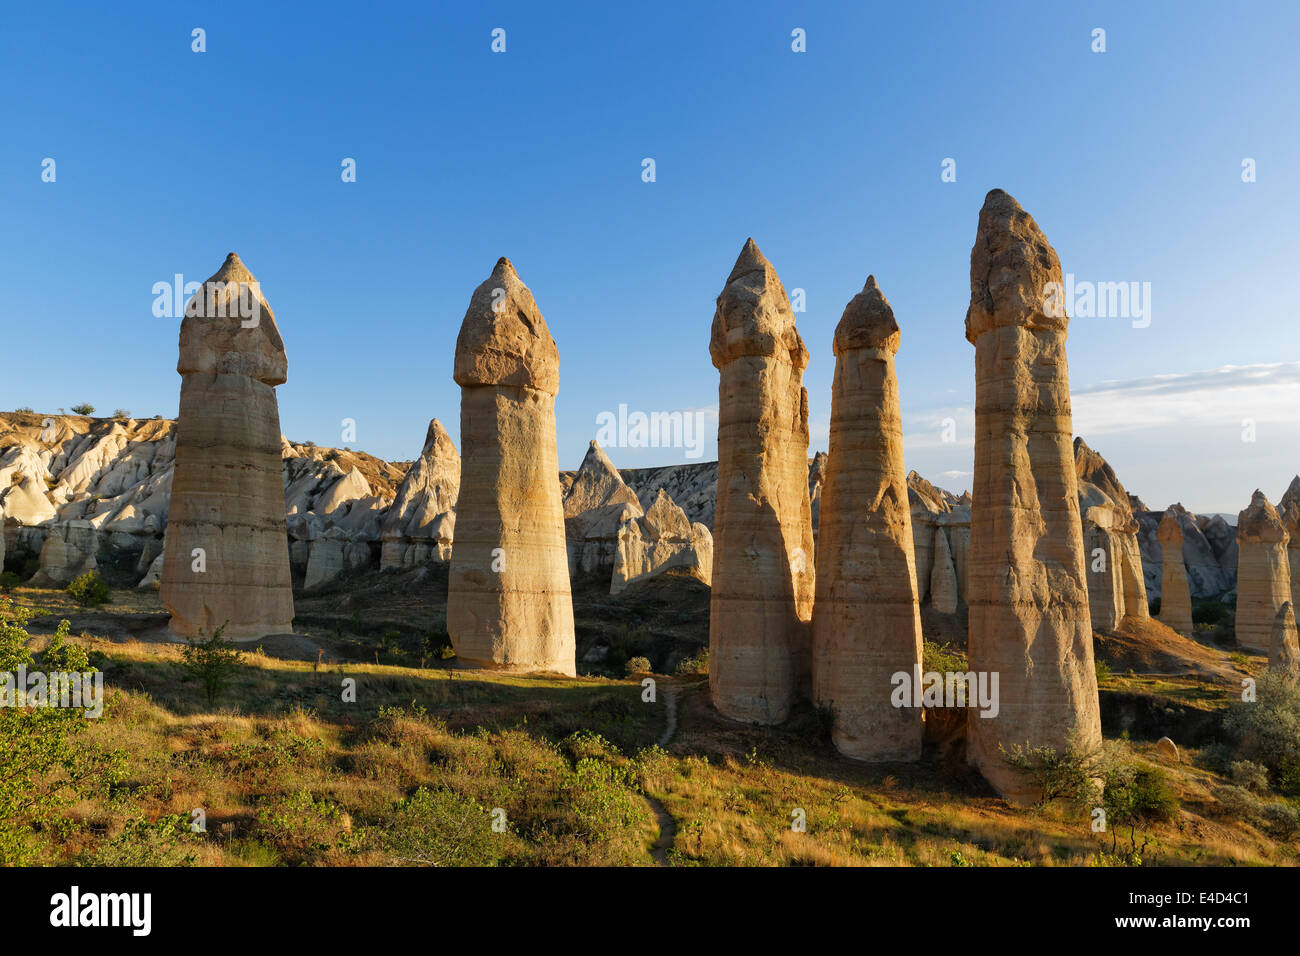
<point>42,766</point>
<point>121,413</point>
<point>1102,669</point>
<point>167,842</point>
<point>89,590</point>
<point>943,658</point>
<point>699,664</point>
<point>1136,796</point>
<point>441,828</point>
<point>85,408</point>
<point>212,661</point>
<point>637,665</point>
<point>9,581</point>
<point>1267,730</point>
<point>1210,613</point>
<point>1248,774</point>
<point>1071,775</point>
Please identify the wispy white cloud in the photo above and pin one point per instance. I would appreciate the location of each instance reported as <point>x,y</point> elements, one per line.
<point>1215,397</point>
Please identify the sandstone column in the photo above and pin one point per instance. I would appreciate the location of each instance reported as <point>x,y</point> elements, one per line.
<point>1290,515</point>
<point>867,618</point>
<point>508,601</point>
<point>1284,650</point>
<point>761,604</point>
<point>226,556</point>
<point>1028,599</point>
<point>1263,573</point>
<point>1175,595</point>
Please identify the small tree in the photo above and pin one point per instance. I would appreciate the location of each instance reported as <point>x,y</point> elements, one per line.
<point>89,589</point>
<point>85,408</point>
<point>121,413</point>
<point>212,661</point>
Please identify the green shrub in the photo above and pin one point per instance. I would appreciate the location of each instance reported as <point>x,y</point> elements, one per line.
<point>1102,669</point>
<point>1136,796</point>
<point>699,664</point>
<point>943,658</point>
<point>637,665</point>
<point>167,842</point>
<point>1211,613</point>
<point>212,661</point>
<point>1267,730</point>
<point>42,768</point>
<point>89,590</point>
<point>1070,775</point>
<point>1248,774</point>
<point>9,581</point>
<point>441,828</point>
<point>85,408</point>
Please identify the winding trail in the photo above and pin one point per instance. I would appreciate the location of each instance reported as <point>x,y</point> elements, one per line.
<point>667,825</point>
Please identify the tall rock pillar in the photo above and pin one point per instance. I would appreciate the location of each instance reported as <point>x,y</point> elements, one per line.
<point>1263,573</point>
<point>508,600</point>
<point>761,605</point>
<point>1175,594</point>
<point>1029,618</point>
<point>867,617</point>
<point>226,551</point>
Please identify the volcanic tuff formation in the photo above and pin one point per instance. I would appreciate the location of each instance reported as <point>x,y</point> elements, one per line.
<point>1175,598</point>
<point>1263,573</point>
<point>508,600</point>
<point>761,603</point>
<point>867,617</point>
<point>226,556</point>
<point>1029,617</point>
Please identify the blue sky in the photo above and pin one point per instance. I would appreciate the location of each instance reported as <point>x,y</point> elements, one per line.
<point>1130,160</point>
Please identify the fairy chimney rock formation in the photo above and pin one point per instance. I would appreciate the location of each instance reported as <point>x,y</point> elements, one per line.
<point>421,520</point>
<point>226,556</point>
<point>1175,594</point>
<point>1263,573</point>
<point>508,600</point>
<point>867,618</point>
<point>1028,594</point>
<point>762,598</point>
<point>1289,512</point>
<point>1284,651</point>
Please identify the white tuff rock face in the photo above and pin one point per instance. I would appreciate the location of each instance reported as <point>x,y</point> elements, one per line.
<point>508,599</point>
<point>1028,597</point>
<point>762,598</point>
<point>663,538</point>
<point>419,525</point>
<point>867,617</point>
<point>227,487</point>
<point>1116,587</point>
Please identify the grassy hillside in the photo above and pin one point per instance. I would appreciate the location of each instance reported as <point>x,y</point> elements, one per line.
<point>421,765</point>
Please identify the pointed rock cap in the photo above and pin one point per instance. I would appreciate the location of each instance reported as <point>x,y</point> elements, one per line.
<point>1089,466</point>
<point>504,339</point>
<point>1292,493</point>
<point>1170,530</point>
<point>597,484</point>
<point>754,316</point>
<point>437,441</point>
<point>1290,515</point>
<point>1260,521</point>
<point>666,519</point>
<point>1011,267</point>
<point>229,328</point>
<point>868,322</point>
